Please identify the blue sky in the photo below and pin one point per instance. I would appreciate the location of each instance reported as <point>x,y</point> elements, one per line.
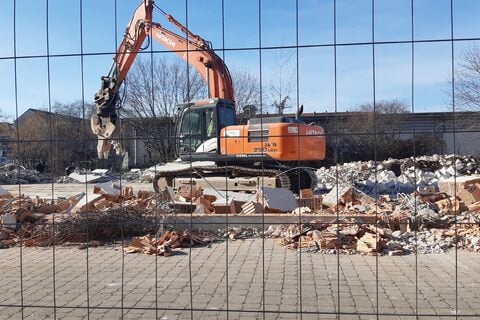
<point>241,31</point>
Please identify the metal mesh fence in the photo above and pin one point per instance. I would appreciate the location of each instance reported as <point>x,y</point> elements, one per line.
<point>384,226</point>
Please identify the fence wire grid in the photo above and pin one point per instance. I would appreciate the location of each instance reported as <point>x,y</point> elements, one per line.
<point>394,85</point>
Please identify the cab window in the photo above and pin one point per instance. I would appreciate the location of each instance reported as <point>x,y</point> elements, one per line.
<point>226,116</point>
<point>191,123</point>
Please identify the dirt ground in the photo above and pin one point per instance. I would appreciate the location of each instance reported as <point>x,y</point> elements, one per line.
<point>55,190</point>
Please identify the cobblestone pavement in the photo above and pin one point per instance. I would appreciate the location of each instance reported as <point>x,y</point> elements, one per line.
<point>260,280</point>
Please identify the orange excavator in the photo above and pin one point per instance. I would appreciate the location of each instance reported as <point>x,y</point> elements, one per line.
<point>212,149</point>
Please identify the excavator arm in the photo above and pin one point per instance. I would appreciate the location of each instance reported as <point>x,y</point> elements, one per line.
<point>190,47</point>
<point>104,122</point>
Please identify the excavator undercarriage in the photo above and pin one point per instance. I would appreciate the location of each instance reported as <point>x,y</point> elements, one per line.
<point>236,178</point>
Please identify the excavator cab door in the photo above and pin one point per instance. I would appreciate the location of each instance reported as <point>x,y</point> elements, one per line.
<point>199,123</point>
<point>190,133</point>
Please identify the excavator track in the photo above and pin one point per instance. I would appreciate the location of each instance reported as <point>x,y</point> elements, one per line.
<point>291,178</point>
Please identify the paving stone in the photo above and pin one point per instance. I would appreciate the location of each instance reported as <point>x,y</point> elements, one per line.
<point>397,291</point>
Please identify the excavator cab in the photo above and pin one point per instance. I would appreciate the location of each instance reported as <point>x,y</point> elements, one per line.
<point>198,127</point>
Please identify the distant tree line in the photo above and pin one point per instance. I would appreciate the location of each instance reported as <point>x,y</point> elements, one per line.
<point>374,132</point>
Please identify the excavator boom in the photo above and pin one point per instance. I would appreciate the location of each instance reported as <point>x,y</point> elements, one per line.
<point>198,53</point>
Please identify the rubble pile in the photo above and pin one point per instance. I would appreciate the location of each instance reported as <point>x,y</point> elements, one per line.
<point>65,179</point>
<point>108,212</point>
<point>397,207</point>
<point>422,222</point>
<point>383,238</point>
<point>14,174</point>
<point>393,176</point>
<point>162,244</point>
<point>112,223</point>
<point>204,201</point>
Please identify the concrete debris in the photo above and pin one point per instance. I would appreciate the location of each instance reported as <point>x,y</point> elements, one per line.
<point>9,221</point>
<point>65,179</point>
<point>188,192</point>
<point>101,172</point>
<point>224,206</point>
<point>276,199</point>
<point>466,188</point>
<point>398,176</point>
<point>345,198</point>
<point>87,201</point>
<point>14,174</point>
<point>425,221</point>
<point>192,198</point>
<point>379,239</point>
<point>4,194</point>
<point>89,177</point>
<point>339,195</point>
<point>301,210</point>
<point>235,233</point>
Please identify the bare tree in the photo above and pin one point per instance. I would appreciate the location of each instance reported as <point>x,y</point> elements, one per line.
<point>282,84</point>
<point>393,106</point>
<point>4,116</point>
<point>369,132</point>
<point>154,88</point>
<point>373,132</point>
<point>77,109</point>
<point>247,89</point>
<point>281,105</point>
<point>467,80</point>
